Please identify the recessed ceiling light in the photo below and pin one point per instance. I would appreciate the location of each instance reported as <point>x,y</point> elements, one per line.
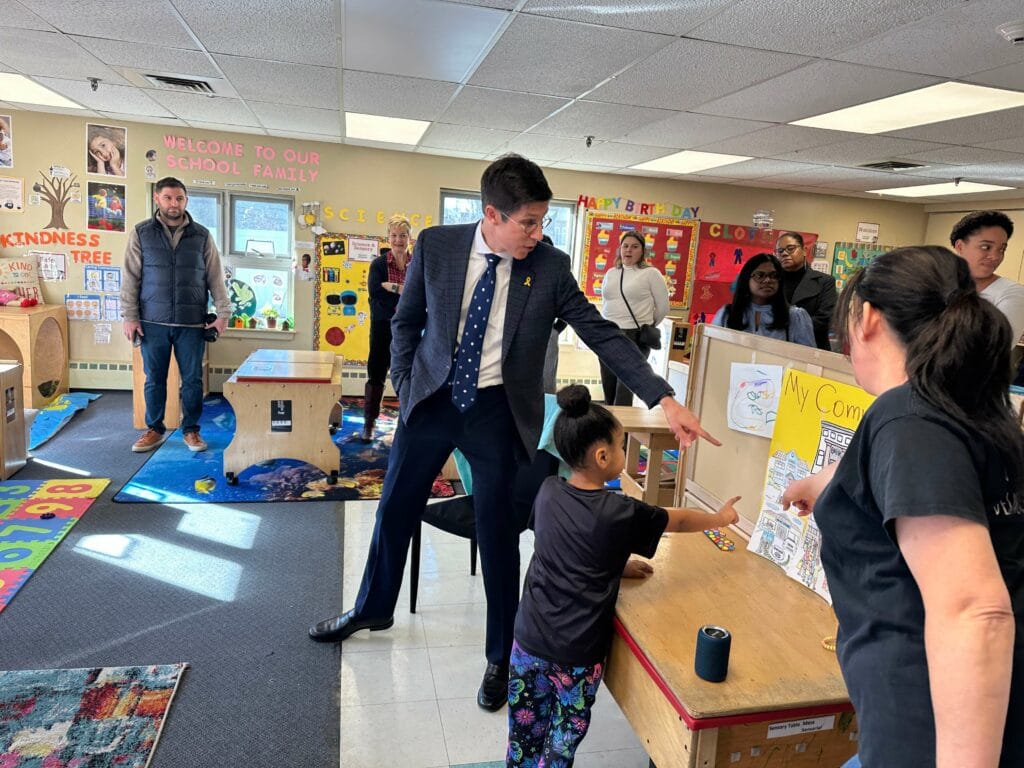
<point>20,90</point>
<point>934,104</point>
<point>946,188</point>
<point>688,161</point>
<point>394,130</point>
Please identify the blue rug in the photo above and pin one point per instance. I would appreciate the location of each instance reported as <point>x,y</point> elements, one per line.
<point>175,475</point>
<point>51,419</point>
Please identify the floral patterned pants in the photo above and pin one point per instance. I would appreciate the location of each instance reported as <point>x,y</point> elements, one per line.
<point>548,710</point>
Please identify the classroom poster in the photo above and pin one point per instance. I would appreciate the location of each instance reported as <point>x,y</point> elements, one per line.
<point>12,195</point>
<point>814,425</point>
<point>106,209</point>
<point>848,258</point>
<point>722,249</point>
<point>6,142</point>
<point>341,306</point>
<point>670,248</point>
<point>754,398</point>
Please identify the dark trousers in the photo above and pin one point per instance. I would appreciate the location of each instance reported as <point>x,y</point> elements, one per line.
<point>379,358</point>
<point>188,345</point>
<point>487,435</point>
<point>615,392</point>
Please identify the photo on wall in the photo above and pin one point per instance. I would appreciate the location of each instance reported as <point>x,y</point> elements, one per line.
<point>106,207</point>
<point>6,142</point>
<point>106,146</point>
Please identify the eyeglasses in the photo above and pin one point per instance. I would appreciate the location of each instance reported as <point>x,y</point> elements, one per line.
<point>787,250</point>
<point>529,227</point>
<point>765,277</point>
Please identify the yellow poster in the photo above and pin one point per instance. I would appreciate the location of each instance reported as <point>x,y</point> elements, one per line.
<point>341,305</point>
<point>815,423</point>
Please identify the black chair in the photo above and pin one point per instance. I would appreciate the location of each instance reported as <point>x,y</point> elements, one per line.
<point>456,515</point>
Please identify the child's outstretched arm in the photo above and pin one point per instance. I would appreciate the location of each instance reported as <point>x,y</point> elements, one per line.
<point>686,520</point>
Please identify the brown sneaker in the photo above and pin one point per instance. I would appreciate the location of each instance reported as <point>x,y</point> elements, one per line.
<point>194,442</point>
<point>150,439</point>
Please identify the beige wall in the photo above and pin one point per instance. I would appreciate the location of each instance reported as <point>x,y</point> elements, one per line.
<point>380,183</point>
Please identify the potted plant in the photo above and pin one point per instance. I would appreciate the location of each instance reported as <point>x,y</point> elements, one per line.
<point>270,316</point>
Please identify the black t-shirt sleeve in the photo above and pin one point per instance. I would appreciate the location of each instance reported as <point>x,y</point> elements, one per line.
<point>648,524</point>
<point>919,468</point>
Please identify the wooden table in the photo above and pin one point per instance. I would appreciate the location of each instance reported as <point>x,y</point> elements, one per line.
<point>647,427</point>
<point>783,702</point>
<point>282,400</point>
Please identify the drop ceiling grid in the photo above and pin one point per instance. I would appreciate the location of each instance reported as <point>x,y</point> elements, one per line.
<point>107,97</point>
<point>140,21</point>
<point>150,59</point>
<point>372,93</point>
<point>51,54</point>
<point>492,108</point>
<point>278,82</point>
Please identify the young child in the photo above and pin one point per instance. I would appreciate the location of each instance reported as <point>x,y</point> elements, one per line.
<point>584,537</point>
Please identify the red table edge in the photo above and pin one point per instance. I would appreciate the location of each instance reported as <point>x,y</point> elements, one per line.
<point>699,724</point>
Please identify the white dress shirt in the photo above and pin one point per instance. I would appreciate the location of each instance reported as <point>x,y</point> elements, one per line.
<point>490,357</point>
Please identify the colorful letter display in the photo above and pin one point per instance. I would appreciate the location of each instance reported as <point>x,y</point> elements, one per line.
<point>848,258</point>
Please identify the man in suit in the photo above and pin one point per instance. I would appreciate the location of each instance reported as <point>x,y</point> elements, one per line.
<point>805,287</point>
<point>469,338</point>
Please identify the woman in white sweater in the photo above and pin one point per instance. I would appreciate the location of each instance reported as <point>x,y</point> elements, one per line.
<point>634,282</point>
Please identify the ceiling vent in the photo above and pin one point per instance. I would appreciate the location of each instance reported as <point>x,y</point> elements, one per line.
<point>892,165</point>
<point>186,84</point>
<point>178,82</point>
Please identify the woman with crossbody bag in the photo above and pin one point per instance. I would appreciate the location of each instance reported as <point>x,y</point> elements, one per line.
<point>635,297</point>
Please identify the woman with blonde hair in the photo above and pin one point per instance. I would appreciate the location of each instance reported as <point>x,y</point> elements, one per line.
<point>384,281</point>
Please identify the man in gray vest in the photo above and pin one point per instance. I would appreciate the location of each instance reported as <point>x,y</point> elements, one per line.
<point>171,266</point>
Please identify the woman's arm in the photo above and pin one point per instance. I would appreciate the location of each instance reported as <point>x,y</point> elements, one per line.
<point>659,292</point>
<point>803,493</point>
<point>968,635</point>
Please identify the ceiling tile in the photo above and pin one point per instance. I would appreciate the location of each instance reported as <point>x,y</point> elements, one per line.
<point>490,108</point>
<point>566,58</point>
<point>49,54</point>
<point>140,21</point>
<point>464,137</point>
<point>583,167</point>
<point>775,140</point>
<point>1003,77</point>
<point>281,117</point>
<point>757,168</point>
<point>819,87</point>
<point>540,148</point>
<point>691,72</point>
<point>150,59</point>
<point>993,173</point>
<point>412,98</point>
<point>668,18</point>
<point>250,129</point>
<point>299,31</point>
<point>505,5</point>
<point>193,106</point>
<point>971,131</point>
<point>685,130</point>
<point>107,98</point>
<point>610,153</point>
<point>421,150</point>
<point>812,27</point>
<point>860,150</point>
<point>305,136</point>
<point>17,16</point>
<point>967,155</point>
<point>381,145</point>
<point>281,83</point>
<point>824,176</point>
<point>418,38</point>
<point>1015,144</point>
<point>602,121</point>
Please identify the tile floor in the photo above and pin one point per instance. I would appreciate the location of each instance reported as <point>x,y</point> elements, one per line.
<point>408,695</point>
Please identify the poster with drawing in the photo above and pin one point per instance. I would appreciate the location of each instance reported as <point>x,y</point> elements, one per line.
<point>754,398</point>
<point>815,423</point>
<point>6,142</point>
<point>106,207</point>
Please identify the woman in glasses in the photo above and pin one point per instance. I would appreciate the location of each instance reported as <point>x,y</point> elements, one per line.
<point>633,293</point>
<point>804,287</point>
<point>759,306</point>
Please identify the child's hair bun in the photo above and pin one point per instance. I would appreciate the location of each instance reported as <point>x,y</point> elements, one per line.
<point>574,400</point>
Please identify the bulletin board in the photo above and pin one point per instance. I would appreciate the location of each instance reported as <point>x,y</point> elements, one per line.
<point>341,307</point>
<point>848,258</point>
<point>737,468</point>
<point>722,249</point>
<point>670,248</point>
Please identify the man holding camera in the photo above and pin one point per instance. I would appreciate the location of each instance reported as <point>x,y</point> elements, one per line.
<point>171,266</point>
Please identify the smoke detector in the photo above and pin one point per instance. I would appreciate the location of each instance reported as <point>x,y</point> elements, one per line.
<point>1013,31</point>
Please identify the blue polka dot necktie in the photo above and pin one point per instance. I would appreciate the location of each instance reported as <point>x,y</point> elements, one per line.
<point>467,359</point>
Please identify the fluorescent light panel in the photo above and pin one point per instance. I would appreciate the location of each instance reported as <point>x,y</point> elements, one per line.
<point>394,130</point>
<point>21,90</point>
<point>934,104</point>
<point>946,188</point>
<point>688,161</point>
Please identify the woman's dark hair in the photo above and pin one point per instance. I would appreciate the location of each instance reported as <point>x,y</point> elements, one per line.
<point>972,222</point>
<point>795,235</point>
<point>958,344</point>
<point>511,182</point>
<point>580,424</point>
<point>735,313</point>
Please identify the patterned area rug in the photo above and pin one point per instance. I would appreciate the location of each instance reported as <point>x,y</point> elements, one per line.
<point>175,475</point>
<point>52,419</point>
<point>73,718</point>
<point>34,516</point>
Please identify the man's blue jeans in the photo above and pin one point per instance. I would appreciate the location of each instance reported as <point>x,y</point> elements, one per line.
<point>188,345</point>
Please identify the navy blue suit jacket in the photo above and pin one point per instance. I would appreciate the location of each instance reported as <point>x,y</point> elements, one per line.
<point>540,290</point>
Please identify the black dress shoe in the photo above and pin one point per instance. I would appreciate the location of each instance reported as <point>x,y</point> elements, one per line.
<point>493,691</point>
<point>340,627</point>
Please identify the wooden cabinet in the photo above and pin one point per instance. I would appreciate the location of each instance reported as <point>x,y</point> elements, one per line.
<point>37,337</point>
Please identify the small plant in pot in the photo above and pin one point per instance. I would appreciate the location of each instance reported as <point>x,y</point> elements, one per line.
<point>270,316</point>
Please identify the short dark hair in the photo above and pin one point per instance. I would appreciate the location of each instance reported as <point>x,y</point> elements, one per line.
<point>169,181</point>
<point>972,222</point>
<point>581,423</point>
<point>511,182</point>
<point>795,235</point>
